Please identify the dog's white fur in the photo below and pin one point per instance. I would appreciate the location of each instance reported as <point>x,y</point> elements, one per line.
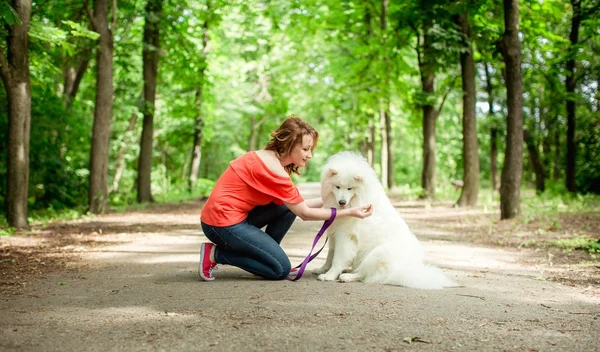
<point>377,249</point>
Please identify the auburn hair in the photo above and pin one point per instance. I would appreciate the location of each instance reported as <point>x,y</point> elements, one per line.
<point>285,138</point>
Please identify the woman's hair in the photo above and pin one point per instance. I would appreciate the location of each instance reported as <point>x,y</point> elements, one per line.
<point>290,133</point>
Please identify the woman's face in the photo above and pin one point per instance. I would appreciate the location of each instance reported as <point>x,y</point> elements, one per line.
<point>302,152</point>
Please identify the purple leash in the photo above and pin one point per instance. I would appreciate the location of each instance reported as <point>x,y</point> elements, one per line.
<point>311,256</point>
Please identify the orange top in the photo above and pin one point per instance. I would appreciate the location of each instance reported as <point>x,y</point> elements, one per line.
<point>246,183</point>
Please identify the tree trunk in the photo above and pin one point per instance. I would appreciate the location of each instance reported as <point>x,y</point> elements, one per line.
<point>98,192</point>
<point>494,159</point>
<point>570,83</point>
<point>371,142</point>
<point>557,154</point>
<point>73,76</point>
<point>547,143</point>
<point>150,54</point>
<point>536,162</point>
<point>387,158</point>
<point>512,172</point>
<point>199,124</point>
<point>384,147</point>
<point>493,131</point>
<point>470,189</point>
<point>17,83</point>
<point>120,161</point>
<point>255,132</point>
<point>598,95</point>
<point>252,137</point>
<point>197,147</point>
<point>426,66</point>
<point>390,152</point>
<point>372,121</point>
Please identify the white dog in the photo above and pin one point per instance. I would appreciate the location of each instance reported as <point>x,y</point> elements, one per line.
<point>378,249</point>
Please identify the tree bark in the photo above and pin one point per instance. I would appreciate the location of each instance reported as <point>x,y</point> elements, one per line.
<point>426,66</point>
<point>384,146</point>
<point>557,154</point>
<point>252,137</point>
<point>512,172</point>
<point>387,155</point>
<point>150,55</point>
<point>73,76</point>
<point>255,131</point>
<point>371,142</point>
<point>598,95</point>
<point>570,85</point>
<point>372,119</point>
<point>98,191</point>
<point>494,159</point>
<point>120,161</point>
<point>538,166</point>
<point>199,125</point>
<point>17,82</point>
<point>197,146</point>
<point>470,190</point>
<point>493,131</point>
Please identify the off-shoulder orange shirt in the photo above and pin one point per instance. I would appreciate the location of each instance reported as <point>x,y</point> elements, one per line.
<point>246,183</point>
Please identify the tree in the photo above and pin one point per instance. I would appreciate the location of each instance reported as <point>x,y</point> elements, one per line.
<point>199,120</point>
<point>76,66</point>
<point>98,191</point>
<point>150,54</point>
<point>14,69</point>
<point>536,163</point>
<point>470,189</point>
<point>426,65</point>
<point>570,82</point>
<point>510,46</point>
<point>387,157</point>
<point>493,131</point>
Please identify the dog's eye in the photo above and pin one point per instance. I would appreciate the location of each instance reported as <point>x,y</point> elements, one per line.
<point>338,187</point>
<point>350,188</point>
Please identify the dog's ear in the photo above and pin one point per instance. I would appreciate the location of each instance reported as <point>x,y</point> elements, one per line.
<point>331,172</point>
<point>358,178</point>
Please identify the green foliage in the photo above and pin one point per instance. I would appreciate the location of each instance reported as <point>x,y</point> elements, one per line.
<point>577,243</point>
<point>5,230</point>
<point>8,15</point>
<point>328,61</point>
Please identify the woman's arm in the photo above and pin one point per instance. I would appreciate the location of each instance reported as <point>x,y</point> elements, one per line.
<point>314,202</point>
<point>306,213</point>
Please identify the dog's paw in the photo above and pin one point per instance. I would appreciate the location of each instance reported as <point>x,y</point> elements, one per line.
<point>348,277</point>
<point>319,271</point>
<point>327,277</point>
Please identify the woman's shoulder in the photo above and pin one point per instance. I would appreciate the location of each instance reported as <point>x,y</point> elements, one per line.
<point>270,161</point>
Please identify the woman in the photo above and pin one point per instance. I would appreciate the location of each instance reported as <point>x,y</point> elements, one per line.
<point>256,191</point>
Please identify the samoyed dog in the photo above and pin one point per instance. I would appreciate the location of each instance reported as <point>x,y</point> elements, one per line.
<point>377,249</point>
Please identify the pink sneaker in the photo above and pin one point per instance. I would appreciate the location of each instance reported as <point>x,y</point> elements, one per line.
<point>293,273</point>
<point>206,266</point>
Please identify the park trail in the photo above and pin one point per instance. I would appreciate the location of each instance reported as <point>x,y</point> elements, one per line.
<point>140,291</point>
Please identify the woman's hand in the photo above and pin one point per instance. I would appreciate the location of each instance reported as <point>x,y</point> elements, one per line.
<point>364,211</point>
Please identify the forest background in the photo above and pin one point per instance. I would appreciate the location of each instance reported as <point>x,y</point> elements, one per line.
<point>107,104</point>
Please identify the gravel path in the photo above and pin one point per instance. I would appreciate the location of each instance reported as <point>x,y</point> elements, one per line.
<point>142,293</point>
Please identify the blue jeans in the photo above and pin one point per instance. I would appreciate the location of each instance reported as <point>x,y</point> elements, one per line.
<point>246,246</point>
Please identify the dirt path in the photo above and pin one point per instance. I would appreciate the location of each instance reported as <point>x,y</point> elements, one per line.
<point>135,288</point>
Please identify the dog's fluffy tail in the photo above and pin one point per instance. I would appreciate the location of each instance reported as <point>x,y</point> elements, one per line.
<point>423,276</point>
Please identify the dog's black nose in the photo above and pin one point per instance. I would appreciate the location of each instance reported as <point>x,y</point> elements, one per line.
<point>342,202</point>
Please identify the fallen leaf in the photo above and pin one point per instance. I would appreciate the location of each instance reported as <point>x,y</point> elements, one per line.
<point>409,340</point>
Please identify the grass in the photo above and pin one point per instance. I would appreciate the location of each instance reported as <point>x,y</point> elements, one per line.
<point>577,243</point>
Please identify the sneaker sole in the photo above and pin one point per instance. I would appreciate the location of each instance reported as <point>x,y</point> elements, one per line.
<point>200,266</point>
